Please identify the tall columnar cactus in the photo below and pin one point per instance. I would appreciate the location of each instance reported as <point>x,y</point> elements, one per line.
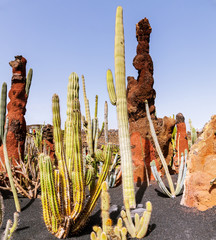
<point>121,104</point>
<point>106,122</point>
<point>63,186</point>
<point>3,104</point>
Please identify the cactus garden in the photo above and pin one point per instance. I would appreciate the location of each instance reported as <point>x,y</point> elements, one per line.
<point>103,165</point>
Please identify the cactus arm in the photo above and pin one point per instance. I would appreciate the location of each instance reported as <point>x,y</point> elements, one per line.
<point>3,104</point>
<point>144,221</point>
<point>159,180</point>
<point>122,114</point>
<point>59,154</point>
<point>110,87</point>
<point>182,173</point>
<point>10,229</point>
<point>105,205</point>
<point>1,210</point>
<point>106,123</point>
<point>130,228</point>
<point>8,167</point>
<point>169,179</point>
<point>28,81</point>
<point>88,119</point>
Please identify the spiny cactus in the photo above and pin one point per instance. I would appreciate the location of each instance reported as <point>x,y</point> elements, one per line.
<point>182,170</point>
<point>119,99</point>
<point>11,227</point>
<point>65,209</point>
<point>3,104</point>
<point>28,81</point>
<point>108,231</point>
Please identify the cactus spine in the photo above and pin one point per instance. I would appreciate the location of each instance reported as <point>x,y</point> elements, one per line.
<point>63,186</point>
<point>3,104</point>
<point>121,105</point>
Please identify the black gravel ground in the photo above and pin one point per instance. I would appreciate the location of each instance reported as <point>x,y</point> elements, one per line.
<point>169,221</point>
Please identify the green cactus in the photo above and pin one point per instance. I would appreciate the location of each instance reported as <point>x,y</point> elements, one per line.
<point>28,81</point>
<point>120,101</point>
<point>108,231</point>
<point>106,122</point>
<point>11,227</point>
<point>182,169</point>
<point>63,197</point>
<point>3,104</point>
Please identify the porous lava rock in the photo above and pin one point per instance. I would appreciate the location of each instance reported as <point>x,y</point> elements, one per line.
<point>201,165</point>
<point>181,139</point>
<point>16,111</point>
<point>139,90</point>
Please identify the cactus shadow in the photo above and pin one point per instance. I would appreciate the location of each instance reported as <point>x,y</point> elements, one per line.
<point>27,205</point>
<point>141,191</point>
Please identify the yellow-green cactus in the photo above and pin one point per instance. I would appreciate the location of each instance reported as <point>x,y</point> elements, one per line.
<point>120,101</point>
<point>63,186</point>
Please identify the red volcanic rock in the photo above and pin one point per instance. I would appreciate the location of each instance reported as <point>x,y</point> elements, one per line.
<point>147,151</point>
<point>16,110</point>
<point>201,164</point>
<point>137,92</point>
<point>181,139</point>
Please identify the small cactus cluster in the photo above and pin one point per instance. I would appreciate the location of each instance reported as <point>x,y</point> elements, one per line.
<point>118,97</point>
<point>138,230</point>
<point>182,169</point>
<point>65,208</point>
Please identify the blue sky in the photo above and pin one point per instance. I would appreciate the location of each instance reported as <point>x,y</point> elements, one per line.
<point>62,36</point>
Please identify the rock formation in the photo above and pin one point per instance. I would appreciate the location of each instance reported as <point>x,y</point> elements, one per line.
<point>201,165</point>
<point>16,111</point>
<point>181,139</point>
<point>137,92</point>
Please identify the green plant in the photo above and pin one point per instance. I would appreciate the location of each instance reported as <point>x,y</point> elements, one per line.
<point>106,123</point>
<point>11,227</point>
<point>182,170</point>
<point>3,104</point>
<point>118,97</point>
<point>108,231</point>
<point>63,211</point>
<point>28,81</point>
<point>193,134</point>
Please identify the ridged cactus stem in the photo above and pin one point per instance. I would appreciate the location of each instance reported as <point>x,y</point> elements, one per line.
<point>3,104</point>
<point>154,136</point>
<point>28,81</point>
<point>8,167</point>
<point>106,122</point>
<point>110,87</point>
<point>59,153</point>
<point>88,119</point>
<point>96,106</point>
<point>105,206</point>
<point>122,114</point>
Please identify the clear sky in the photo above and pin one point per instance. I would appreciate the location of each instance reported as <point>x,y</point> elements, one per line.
<point>58,37</point>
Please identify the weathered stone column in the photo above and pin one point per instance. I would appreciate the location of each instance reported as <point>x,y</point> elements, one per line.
<point>139,90</point>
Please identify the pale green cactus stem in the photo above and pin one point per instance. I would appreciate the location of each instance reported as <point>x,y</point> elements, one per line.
<point>28,81</point>
<point>88,119</point>
<point>57,135</point>
<point>1,209</point>
<point>122,114</point>
<point>11,227</point>
<point>110,87</point>
<point>154,136</point>
<point>95,126</point>
<point>3,104</point>
<point>106,122</point>
<point>8,167</point>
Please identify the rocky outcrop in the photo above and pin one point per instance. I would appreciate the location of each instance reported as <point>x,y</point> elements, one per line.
<point>139,90</point>
<point>201,164</point>
<point>16,111</point>
<point>181,139</point>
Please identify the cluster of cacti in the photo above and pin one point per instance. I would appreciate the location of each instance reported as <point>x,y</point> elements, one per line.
<point>114,171</point>
<point>138,230</point>
<point>65,209</point>
<point>11,227</point>
<point>182,169</point>
<point>108,231</point>
<point>118,97</point>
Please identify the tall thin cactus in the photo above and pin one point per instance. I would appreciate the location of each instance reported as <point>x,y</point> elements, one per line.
<point>65,208</point>
<point>119,99</point>
<point>28,81</point>
<point>3,104</point>
<point>106,122</point>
